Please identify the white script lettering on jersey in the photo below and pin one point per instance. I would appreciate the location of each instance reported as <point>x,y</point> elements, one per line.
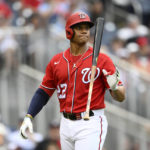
<point>87,75</point>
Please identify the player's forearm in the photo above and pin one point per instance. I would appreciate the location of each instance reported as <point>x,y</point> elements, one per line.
<point>39,99</point>
<point>119,94</point>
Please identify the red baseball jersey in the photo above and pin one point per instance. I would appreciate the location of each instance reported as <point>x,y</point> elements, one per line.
<point>70,75</point>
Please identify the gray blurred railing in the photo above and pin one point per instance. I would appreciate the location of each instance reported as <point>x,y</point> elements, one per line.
<point>126,129</point>
<point>16,92</point>
<point>137,83</point>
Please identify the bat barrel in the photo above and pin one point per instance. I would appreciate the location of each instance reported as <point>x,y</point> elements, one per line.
<point>97,39</point>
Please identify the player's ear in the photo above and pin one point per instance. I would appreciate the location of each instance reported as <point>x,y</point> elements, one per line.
<point>70,33</point>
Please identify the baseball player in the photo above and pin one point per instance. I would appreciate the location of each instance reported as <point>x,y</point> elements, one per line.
<point>69,73</point>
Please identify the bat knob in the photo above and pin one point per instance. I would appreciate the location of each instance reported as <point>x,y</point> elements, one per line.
<point>86,117</point>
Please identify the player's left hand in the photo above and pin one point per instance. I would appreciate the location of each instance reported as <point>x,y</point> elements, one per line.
<point>26,128</point>
<point>112,80</point>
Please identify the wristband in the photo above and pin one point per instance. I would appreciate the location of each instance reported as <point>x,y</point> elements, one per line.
<point>116,88</point>
<point>29,116</point>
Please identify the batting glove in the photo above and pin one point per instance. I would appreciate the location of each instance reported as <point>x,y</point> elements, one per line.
<point>26,127</point>
<point>112,80</point>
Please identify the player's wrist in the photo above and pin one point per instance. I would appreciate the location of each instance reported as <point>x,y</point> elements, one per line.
<point>115,88</point>
<point>29,116</point>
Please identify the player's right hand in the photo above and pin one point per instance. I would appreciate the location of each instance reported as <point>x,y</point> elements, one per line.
<point>26,128</point>
<point>112,80</point>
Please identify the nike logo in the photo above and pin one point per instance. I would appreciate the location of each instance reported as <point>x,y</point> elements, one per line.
<point>55,63</point>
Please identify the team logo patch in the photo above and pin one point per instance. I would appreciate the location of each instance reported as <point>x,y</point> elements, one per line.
<point>82,15</point>
<point>87,75</point>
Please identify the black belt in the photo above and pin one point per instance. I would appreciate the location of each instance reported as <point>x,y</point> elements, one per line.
<point>75,116</point>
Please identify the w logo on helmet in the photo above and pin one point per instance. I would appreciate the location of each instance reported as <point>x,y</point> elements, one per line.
<point>82,15</point>
<point>76,18</point>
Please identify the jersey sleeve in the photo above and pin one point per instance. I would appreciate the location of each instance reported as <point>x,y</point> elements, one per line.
<point>109,67</point>
<point>48,84</point>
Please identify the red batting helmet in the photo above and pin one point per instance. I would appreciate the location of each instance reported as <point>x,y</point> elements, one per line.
<point>75,19</point>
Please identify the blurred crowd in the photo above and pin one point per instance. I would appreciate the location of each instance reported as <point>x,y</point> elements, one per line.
<point>10,139</point>
<point>126,35</point>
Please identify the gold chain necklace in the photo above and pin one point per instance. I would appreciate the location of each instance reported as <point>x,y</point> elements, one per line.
<point>74,64</point>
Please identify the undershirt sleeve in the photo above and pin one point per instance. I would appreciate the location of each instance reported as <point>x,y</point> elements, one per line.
<point>39,99</point>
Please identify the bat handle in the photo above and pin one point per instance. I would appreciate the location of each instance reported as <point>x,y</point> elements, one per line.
<point>86,116</point>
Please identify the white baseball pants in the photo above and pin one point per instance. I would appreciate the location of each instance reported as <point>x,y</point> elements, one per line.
<point>84,135</point>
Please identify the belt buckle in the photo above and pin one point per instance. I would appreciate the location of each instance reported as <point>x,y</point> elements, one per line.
<point>67,115</point>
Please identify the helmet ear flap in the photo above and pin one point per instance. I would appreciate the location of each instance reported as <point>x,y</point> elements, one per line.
<point>69,33</point>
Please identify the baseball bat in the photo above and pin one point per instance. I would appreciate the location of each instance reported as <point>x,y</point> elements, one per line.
<point>96,48</point>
